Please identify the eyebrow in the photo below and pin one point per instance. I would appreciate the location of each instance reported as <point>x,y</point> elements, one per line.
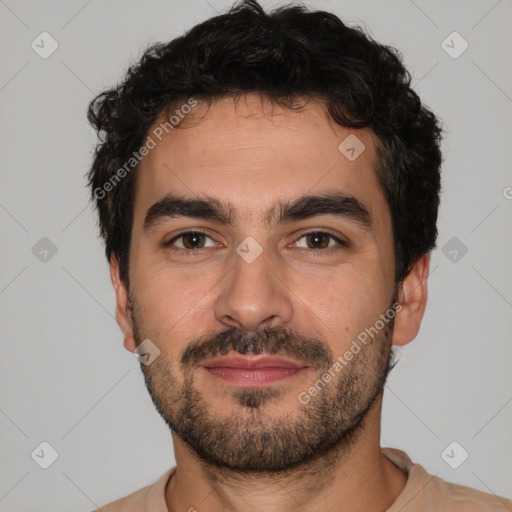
<point>209,208</point>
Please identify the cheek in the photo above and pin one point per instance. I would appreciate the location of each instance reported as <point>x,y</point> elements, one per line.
<point>348,302</point>
<point>174,306</point>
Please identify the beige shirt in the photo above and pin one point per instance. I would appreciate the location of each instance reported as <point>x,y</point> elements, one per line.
<point>422,493</point>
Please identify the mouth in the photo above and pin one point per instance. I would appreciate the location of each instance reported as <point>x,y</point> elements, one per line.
<point>253,371</point>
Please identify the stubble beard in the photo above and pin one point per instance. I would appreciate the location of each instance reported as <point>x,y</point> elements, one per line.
<point>251,440</point>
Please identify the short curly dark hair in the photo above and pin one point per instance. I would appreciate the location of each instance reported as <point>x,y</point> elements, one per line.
<point>285,55</point>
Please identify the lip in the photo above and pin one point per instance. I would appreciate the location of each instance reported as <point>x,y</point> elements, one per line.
<point>247,371</point>
<point>252,362</point>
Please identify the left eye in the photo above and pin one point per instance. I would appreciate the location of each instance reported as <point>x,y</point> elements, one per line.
<point>319,239</point>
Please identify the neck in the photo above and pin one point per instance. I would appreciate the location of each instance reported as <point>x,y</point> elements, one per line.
<point>354,479</point>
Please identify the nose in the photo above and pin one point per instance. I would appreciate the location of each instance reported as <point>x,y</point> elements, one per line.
<point>254,295</point>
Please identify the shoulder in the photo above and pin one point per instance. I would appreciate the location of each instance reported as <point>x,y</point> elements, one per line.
<point>467,499</point>
<point>135,501</point>
<point>148,499</point>
<point>426,492</point>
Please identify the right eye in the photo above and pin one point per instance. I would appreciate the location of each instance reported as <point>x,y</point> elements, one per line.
<point>191,241</point>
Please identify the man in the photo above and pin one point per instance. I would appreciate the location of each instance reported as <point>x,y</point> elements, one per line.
<point>267,187</point>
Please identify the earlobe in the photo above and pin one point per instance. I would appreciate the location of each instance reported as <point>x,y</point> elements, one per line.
<point>412,296</point>
<point>123,313</point>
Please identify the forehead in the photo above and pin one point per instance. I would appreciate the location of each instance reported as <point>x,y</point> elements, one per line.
<point>250,153</point>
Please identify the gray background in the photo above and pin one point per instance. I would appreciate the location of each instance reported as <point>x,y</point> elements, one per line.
<point>66,378</point>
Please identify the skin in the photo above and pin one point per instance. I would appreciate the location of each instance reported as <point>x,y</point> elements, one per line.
<point>252,154</point>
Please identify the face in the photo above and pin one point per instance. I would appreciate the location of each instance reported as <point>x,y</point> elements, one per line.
<point>280,246</point>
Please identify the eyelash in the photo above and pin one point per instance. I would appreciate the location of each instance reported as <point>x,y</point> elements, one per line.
<point>317,252</point>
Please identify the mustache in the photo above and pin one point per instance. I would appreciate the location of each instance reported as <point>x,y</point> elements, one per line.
<point>273,341</point>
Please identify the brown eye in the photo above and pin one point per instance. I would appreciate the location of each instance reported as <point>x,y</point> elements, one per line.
<point>320,240</point>
<point>193,240</point>
<point>190,240</point>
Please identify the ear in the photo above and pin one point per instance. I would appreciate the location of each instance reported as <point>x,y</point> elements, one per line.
<point>123,313</point>
<point>412,296</point>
